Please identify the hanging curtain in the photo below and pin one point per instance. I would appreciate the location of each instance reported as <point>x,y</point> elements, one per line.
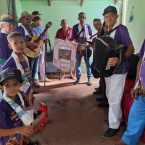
<point>12,9</point>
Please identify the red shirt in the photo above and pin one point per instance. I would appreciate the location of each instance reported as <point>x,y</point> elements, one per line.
<point>60,34</point>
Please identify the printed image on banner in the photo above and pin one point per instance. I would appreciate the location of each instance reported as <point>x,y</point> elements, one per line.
<point>64,54</point>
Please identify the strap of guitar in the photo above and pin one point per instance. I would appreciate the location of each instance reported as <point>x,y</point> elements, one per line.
<point>80,32</point>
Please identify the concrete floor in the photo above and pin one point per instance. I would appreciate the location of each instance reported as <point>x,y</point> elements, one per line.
<point>73,118</point>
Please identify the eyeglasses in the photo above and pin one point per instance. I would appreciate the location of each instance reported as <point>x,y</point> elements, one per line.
<point>82,17</point>
<point>97,24</point>
<point>28,19</point>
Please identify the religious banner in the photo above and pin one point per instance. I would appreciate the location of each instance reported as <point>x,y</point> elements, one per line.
<point>64,54</point>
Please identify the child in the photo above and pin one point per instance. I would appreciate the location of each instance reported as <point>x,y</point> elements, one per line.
<point>13,116</point>
<point>20,61</point>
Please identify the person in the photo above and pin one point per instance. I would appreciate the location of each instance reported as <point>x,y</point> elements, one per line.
<point>136,123</point>
<point>65,33</point>
<point>28,33</point>
<point>38,28</point>
<point>13,106</point>
<point>115,83</point>
<point>20,61</point>
<point>85,32</point>
<point>7,24</point>
<point>35,14</point>
<point>103,99</point>
<point>98,26</point>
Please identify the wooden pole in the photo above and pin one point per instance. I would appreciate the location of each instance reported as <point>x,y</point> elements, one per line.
<point>49,2</point>
<point>81,3</point>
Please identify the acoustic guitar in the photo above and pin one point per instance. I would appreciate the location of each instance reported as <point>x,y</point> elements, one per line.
<point>31,52</point>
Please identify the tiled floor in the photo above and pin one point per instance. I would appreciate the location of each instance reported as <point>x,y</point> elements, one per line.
<point>73,118</point>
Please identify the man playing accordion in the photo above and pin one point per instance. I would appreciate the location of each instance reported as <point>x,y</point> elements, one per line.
<point>116,82</point>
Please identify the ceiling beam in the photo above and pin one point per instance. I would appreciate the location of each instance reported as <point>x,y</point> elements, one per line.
<point>49,2</point>
<point>81,3</point>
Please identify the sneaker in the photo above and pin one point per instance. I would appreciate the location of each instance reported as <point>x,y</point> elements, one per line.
<point>103,104</point>
<point>37,85</point>
<point>89,83</point>
<point>77,82</point>
<point>118,142</point>
<point>101,99</point>
<point>100,87</point>
<point>110,133</point>
<point>98,91</point>
<point>106,120</point>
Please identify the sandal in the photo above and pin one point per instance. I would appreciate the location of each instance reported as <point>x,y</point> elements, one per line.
<point>72,77</point>
<point>62,78</point>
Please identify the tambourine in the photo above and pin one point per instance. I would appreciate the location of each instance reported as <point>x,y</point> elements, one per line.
<point>40,117</point>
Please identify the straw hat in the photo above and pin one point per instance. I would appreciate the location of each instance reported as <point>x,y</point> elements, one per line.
<point>24,14</point>
<point>6,18</point>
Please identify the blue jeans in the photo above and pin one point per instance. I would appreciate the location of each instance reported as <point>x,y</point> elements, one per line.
<point>78,66</point>
<point>136,122</point>
<point>33,67</point>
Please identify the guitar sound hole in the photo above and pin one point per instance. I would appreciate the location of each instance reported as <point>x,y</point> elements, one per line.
<point>36,41</point>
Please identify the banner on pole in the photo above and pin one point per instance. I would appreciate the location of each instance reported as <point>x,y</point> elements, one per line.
<point>64,54</point>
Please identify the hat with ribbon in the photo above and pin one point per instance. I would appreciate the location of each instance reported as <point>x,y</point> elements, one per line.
<point>7,18</point>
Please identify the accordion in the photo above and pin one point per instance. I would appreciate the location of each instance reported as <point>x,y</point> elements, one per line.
<point>105,48</point>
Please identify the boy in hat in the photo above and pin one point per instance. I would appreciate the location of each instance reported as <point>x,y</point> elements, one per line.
<point>28,33</point>
<point>7,23</point>
<point>115,83</point>
<point>14,121</point>
<point>20,61</point>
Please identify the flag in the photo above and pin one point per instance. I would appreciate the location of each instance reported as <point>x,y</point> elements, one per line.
<point>64,54</point>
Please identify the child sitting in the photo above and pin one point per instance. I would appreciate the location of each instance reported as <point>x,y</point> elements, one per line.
<point>14,121</point>
<point>20,61</point>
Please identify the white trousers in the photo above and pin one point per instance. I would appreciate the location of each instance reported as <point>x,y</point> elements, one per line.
<point>114,91</point>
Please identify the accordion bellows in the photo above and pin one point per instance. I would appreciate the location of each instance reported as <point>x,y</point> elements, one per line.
<point>105,48</point>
